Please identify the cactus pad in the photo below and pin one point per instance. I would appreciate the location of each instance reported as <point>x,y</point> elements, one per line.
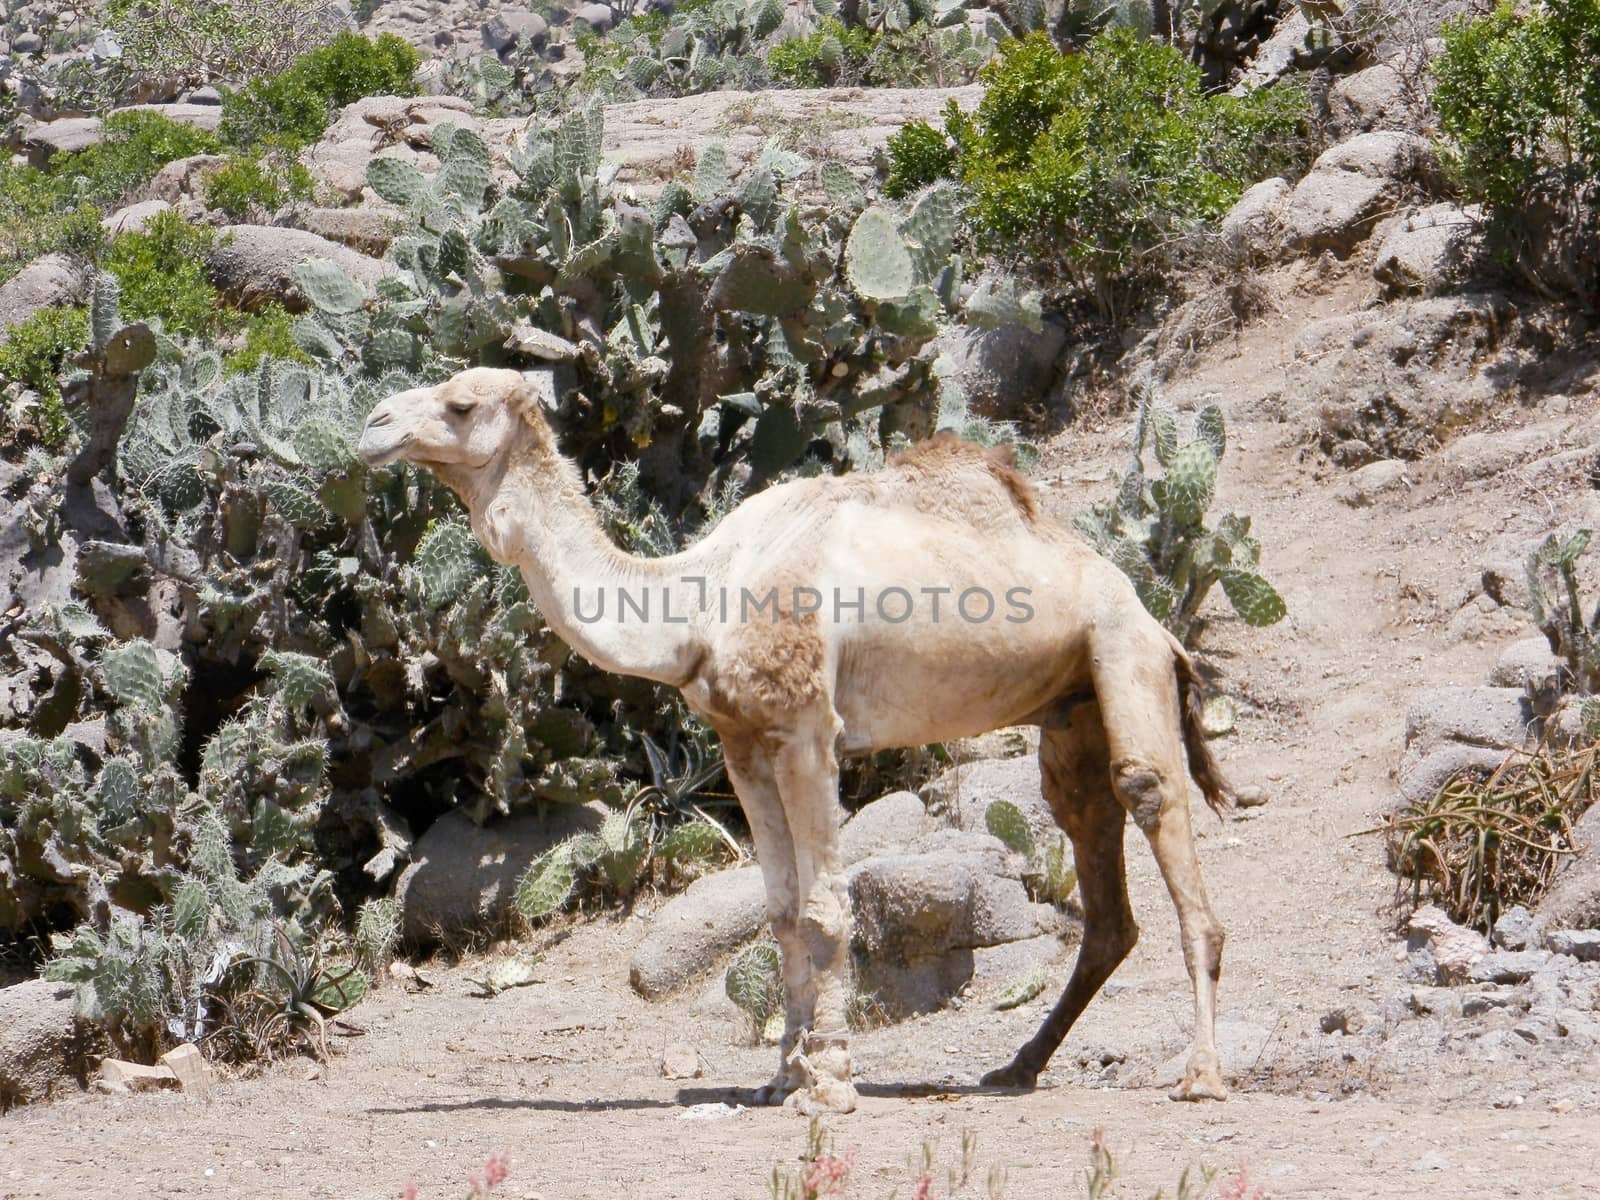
<point>1005,821</point>
<point>1255,600</point>
<point>876,259</point>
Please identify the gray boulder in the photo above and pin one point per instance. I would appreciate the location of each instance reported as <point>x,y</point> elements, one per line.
<point>1573,899</point>
<point>41,1049</point>
<point>27,42</point>
<point>183,178</point>
<point>43,140</point>
<point>200,116</point>
<point>889,823</point>
<point>1507,966</point>
<point>1429,250</point>
<point>507,29</point>
<point>1581,944</point>
<point>1376,98</point>
<point>462,876</point>
<point>597,17</point>
<point>253,265</point>
<point>1422,777</point>
<point>1368,485</point>
<point>716,914</point>
<point>365,230</point>
<point>964,793</point>
<point>1350,187</point>
<point>1524,663</point>
<point>44,283</point>
<point>1514,930</point>
<point>1254,225</point>
<point>1496,718</point>
<point>134,217</point>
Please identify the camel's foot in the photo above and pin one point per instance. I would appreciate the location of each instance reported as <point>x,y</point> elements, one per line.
<point>1013,1075</point>
<point>770,1095</point>
<point>824,1096</point>
<point>1201,1081</point>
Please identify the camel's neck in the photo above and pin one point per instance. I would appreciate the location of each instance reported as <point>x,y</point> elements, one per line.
<point>622,613</point>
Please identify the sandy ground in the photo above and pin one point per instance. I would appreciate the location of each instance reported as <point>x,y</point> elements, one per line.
<point>563,1075</point>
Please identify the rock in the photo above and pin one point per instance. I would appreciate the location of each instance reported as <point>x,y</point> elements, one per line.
<point>1010,960</point>
<point>189,1065</point>
<point>509,28</point>
<point>889,823</point>
<point>1581,944</point>
<point>27,42</point>
<point>1402,378</point>
<point>1004,371</point>
<point>1507,966</point>
<point>42,140</point>
<point>1486,454</point>
<point>1529,662</point>
<point>1343,1020</point>
<point>1368,484</point>
<point>462,876</point>
<point>134,217</point>
<point>366,230</point>
<point>680,1061</point>
<point>253,265</point>
<point>1421,779</point>
<point>716,914</point>
<point>1479,1003</point>
<point>183,178</point>
<point>199,116</point>
<point>204,95</point>
<point>41,1051</point>
<point>1376,98</point>
<point>1250,796</point>
<point>964,793</point>
<point>1514,930</point>
<point>44,283</point>
<point>597,17</point>
<point>1428,250</point>
<point>1255,223</point>
<point>117,1075</point>
<point>1454,948</point>
<point>1497,718</point>
<point>1349,188</point>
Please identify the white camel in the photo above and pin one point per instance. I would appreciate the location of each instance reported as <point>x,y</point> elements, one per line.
<point>839,615</point>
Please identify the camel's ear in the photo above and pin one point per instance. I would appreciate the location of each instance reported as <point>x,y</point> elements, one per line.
<point>539,392</point>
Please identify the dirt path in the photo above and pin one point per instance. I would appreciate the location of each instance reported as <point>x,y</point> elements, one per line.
<point>562,1074</point>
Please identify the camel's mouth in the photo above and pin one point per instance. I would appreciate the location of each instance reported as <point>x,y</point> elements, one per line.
<point>379,447</point>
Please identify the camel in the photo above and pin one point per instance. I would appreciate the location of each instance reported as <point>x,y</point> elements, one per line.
<point>836,615</point>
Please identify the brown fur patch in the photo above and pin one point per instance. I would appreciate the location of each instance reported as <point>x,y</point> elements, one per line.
<point>945,450</point>
<point>777,668</point>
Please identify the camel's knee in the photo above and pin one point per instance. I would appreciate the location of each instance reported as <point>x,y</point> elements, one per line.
<point>824,923</point>
<point>1142,790</point>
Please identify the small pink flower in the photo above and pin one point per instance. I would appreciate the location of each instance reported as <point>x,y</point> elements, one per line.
<point>1237,1186</point>
<point>497,1168</point>
<point>410,1192</point>
<point>828,1174</point>
<point>924,1187</point>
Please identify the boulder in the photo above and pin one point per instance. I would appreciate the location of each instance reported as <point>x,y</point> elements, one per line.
<point>889,823</point>
<point>365,230</point>
<point>716,914</point>
<point>134,217</point>
<point>597,17</point>
<point>1529,662</point>
<point>1397,381</point>
<point>1376,98</point>
<point>1449,949</point>
<point>42,140</point>
<point>508,29</point>
<point>199,116</point>
<point>44,283</point>
<point>965,792</point>
<point>1581,944</point>
<point>1349,188</point>
<point>1573,898</point>
<point>183,178</point>
<point>120,1076</point>
<point>1367,485</point>
<point>1496,718</point>
<point>462,876</point>
<point>253,265</point>
<point>1514,930</point>
<point>1005,370</point>
<point>41,1051</point>
<point>1254,225</point>
<point>1507,966</point>
<point>1428,250</point>
<point>1421,778</point>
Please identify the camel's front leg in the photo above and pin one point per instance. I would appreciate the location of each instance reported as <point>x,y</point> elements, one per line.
<point>807,773</point>
<point>750,772</point>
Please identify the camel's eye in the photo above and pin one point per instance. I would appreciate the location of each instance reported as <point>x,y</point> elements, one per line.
<point>460,407</point>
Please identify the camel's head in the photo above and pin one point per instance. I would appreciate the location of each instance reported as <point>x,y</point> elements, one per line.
<point>457,427</point>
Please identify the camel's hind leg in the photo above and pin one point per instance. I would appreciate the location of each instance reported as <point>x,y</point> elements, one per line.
<point>1076,778</point>
<point>1137,687</point>
<point>750,772</point>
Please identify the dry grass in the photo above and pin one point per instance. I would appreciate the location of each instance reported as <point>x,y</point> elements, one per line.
<point>1482,845</point>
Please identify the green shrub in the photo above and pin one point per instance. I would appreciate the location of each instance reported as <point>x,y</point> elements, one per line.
<point>162,273</point>
<point>1094,163</point>
<point>918,155</point>
<point>250,188</point>
<point>294,106</point>
<point>833,51</point>
<point>1519,106</point>
<point>34,354</point>
<point>267,334</point>
<point>184,42</point>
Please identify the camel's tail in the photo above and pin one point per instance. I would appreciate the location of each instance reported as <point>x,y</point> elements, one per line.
<point>1202,763</point>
